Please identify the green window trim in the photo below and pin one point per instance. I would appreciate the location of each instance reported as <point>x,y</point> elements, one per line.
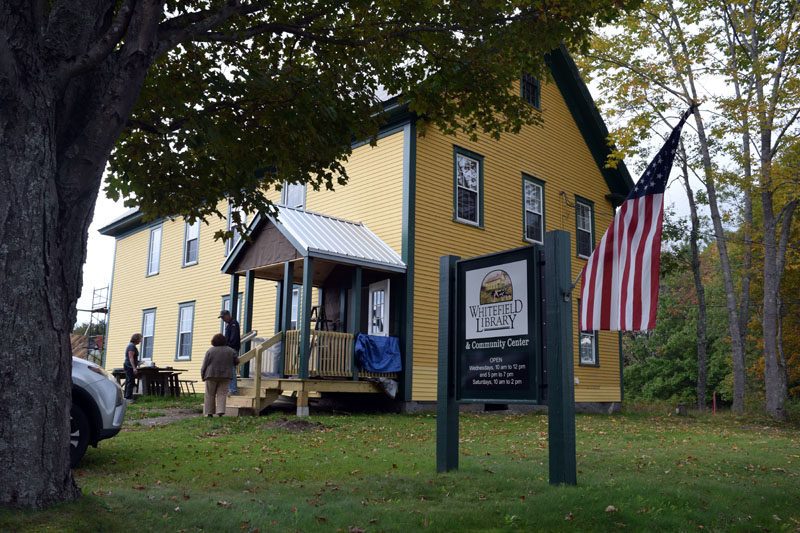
<point>148,347</point>
<point>154,257</point>
<point>527,178</point>
<point>530,90</point>
<point>464,153</point>
<point>190,332</point>
<point>186,244</point>
<point>584,203</point>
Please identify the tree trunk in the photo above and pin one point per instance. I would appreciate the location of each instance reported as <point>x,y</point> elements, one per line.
<point>41,261</point>
<point>769,318</point>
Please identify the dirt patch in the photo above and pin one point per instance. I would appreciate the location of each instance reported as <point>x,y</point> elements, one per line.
<point>171,414</point>
<point>295,425</point>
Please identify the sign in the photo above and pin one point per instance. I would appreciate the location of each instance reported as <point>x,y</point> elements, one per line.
<point>498,339</point>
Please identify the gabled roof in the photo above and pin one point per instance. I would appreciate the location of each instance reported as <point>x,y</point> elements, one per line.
<point>122,224</point>
<point>324,237</point>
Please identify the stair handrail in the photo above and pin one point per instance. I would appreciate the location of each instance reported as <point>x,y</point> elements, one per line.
<point>263,346</point>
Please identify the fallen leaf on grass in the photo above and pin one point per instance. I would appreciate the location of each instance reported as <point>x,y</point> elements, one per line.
<point>570,516</point>
<point>355,529</point>
<point>320,519</point>
<point>223,503</point>
<point>776,518</point>
<point>611,509</point>
<point>373,520</point>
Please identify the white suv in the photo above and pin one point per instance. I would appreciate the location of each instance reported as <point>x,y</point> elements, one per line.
<point>97,407</point>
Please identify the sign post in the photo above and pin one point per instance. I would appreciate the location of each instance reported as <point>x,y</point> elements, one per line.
<point>492,331</point>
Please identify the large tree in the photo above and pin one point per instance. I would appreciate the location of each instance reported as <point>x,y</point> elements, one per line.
<point>199,100</point>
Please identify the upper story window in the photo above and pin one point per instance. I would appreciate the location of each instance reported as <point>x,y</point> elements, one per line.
<point>584,227</point>
<point>231,243</point>
<point>148,332</point>
<point>185,326</point>
<point>294,195</point>
<point>191,243</point>
<point>529,90</point>
<point>533,202</point>
<point>154,251</point>
<point>467,187</point>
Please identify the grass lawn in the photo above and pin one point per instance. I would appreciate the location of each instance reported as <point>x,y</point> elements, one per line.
<point>637,471</point>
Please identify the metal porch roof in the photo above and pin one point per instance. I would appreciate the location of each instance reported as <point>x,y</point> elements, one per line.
<point>327,237</point>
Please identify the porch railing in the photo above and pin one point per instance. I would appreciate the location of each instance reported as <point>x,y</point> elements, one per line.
<point>331,355</point>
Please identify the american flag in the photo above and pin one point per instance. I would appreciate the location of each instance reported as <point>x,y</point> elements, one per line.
<point>619,290</point>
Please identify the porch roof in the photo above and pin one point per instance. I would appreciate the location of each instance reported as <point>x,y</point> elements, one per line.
<point>319,236</point>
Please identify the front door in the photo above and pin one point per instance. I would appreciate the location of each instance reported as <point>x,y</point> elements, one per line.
<point>379,308</point>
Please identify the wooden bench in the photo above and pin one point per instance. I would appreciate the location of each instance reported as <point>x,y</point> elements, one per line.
<point>187,386</point>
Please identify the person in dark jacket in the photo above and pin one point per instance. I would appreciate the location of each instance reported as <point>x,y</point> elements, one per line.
<point>232,339</point>
<point>129,365</point>
<point>217,373</point>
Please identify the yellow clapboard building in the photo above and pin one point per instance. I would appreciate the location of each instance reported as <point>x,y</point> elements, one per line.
<point>370,250</point>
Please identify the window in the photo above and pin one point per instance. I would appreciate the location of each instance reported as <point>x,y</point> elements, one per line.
<point>588,348</point>
<point>294,195</point>
<point>379,308</point>
<point>533,205</point>
<point>226,304</point>
<point>231,243</point>
<point>191,243</point>
<point>185,325</point>
<point>154,251</point>
<point>584,227</point>
<point>148,329</point>
<point>295,311</point>
<point>529,90</point>
<point>468,187</point>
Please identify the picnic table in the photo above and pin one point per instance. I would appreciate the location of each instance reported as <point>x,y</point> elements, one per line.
<point>154,380</point>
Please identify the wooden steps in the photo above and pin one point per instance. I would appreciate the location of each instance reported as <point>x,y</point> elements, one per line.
<point>246,404</point>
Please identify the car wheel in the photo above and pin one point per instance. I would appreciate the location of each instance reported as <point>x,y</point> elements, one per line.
<point>79,434</point>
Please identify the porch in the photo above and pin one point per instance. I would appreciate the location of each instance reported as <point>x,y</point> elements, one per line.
<point>313,350</point>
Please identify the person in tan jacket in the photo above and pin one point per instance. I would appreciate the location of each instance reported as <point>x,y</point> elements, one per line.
<point>217,372</point>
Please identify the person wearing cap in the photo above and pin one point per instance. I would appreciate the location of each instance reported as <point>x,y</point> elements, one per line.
<point>232,339</point>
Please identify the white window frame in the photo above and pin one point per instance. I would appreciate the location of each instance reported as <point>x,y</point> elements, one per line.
<point>583,223</point>
<point>191,233</point>
<point>148,336</point>
<point>295,310</point>
<point>226,304</point>
<point>379,310</point>
<point>182,330</point>
<point>154,250</point>
<point>526,182</point>
<point>461,184</point>
<point>591,338</point>
<point>286,194</point>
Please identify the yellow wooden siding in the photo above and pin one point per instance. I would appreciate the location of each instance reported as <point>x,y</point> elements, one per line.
<point>374,193</point>
<point>556,154</point>
<point>203,284</point>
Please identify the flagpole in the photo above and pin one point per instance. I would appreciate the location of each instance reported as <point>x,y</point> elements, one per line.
<point>568,294</point>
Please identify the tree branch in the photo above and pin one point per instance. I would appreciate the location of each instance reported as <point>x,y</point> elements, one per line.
<point>101,48</point>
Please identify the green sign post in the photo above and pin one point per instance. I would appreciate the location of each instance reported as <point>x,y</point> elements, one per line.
<point>505,336</point>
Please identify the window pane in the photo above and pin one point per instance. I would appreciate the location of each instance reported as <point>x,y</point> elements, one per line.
<point>378,299</point>
<point>533,197</point>
<point>192,230</point>
<point>587,349</point>
<point>533,226</point>
<point>584,243</point>
<point>295,194</point>
<point>191,251</point>
<point>468,172</point>
<point>467,205</point>
<point>147,347</point>
<point>154,253</point>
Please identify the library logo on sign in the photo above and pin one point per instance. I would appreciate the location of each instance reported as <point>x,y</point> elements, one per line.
<point>496,301</point>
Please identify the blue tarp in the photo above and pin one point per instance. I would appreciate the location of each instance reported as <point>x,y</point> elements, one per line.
<point>378,354</point>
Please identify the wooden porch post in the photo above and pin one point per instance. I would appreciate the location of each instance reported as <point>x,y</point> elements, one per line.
<point>305,318</point>
<point>278,308</point>
<point>286,312</point>
<point>355,318</point>
<point>247,319</point>
<point>234,303</point>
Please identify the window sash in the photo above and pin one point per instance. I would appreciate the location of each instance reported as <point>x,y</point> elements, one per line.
<point>294,195</point>
<point>583,234</point>
<point>185,320</point>
<point>148,328</point>
<point>533,211</point>
<point>191,243</point>
<point>154,251</point>
<point>231,243</point>
<point>588,353</point>
<point>378,312</point>
<point>468,172</point>
<point>529,89</point>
